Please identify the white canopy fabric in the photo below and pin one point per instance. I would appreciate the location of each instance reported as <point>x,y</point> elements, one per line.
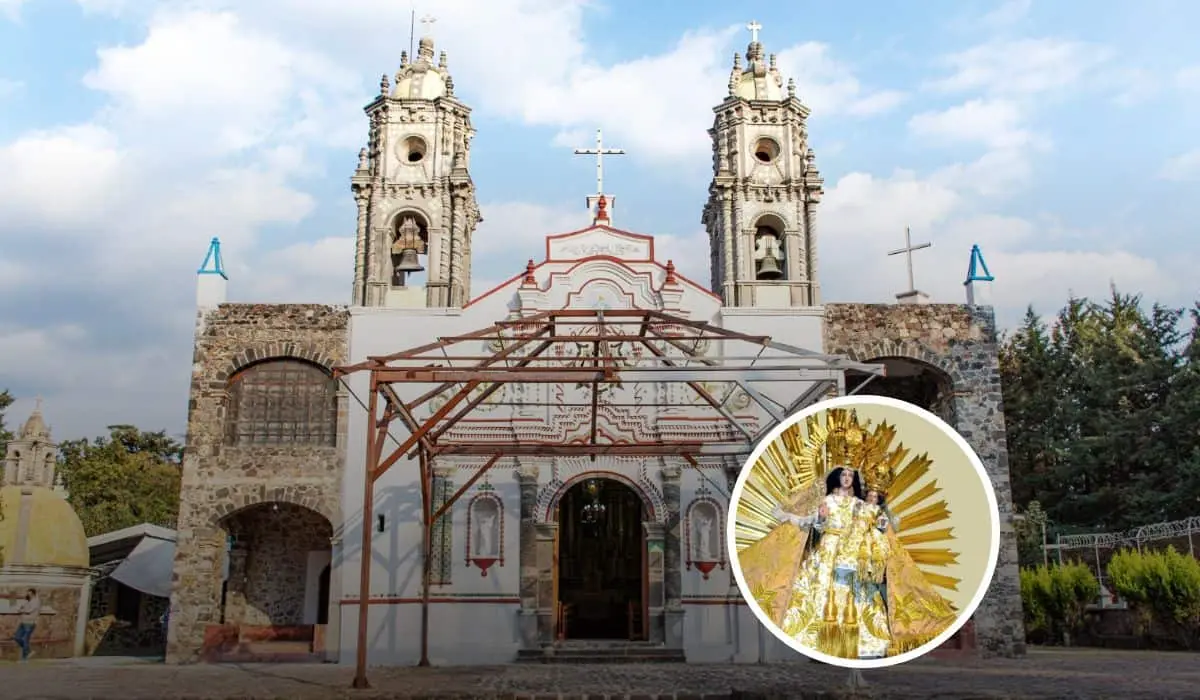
<point>148,567</point>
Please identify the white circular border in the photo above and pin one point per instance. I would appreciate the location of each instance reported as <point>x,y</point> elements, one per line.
<point>964,615</point>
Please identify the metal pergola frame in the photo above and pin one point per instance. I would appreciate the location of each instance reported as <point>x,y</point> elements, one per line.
<point>667,349</point>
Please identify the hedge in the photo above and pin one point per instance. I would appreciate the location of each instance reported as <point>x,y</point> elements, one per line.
<point>1163,588</point>
<point>1054,599</point>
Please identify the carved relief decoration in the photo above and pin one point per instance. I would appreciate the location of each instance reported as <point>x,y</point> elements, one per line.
<point>485,529</point>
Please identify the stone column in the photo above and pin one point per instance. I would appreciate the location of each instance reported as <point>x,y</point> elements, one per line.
<point>546,539</point>
<point>196,593</point>
<point>527,478</point>
<point>673,546</point>
<point>979,414</point>
<point>81,622</point>
<point>810,240</point>
<point>656,601</point>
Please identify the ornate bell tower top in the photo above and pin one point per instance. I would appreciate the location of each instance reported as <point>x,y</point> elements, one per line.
<point>30,458</point>
<point>759,79</point>
<point>416,201</point>
<point>761,209</point>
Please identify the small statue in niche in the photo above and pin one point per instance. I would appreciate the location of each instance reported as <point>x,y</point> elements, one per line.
<point>767,254</point>
<point>704,537</point>
<point>486,540</point>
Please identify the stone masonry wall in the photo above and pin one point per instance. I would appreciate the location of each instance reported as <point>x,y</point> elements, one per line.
<point>218,479</point>
<point>961,342</point>
<point>275,568</point>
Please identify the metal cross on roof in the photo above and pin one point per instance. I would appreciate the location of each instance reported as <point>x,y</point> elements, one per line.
<point>599,151</point>
<point>908,250</point>
<point>427,23</point>
<point>754,28</point>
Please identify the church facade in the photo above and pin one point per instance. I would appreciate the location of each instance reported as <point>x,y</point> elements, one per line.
<point>537,552</point>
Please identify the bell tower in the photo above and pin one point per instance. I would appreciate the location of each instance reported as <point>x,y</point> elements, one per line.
<point>761,214</point>
<point>416,201</point>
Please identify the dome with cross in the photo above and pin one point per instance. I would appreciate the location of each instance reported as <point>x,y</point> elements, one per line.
<point>422,79</point>
<point>759,79</point>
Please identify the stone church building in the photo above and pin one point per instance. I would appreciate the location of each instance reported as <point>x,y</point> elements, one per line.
<point>540,550</point>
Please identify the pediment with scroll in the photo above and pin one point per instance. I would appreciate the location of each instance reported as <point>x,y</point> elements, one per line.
<point>600,241</point>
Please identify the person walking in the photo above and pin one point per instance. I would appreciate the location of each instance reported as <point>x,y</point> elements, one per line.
<point>29,610</point>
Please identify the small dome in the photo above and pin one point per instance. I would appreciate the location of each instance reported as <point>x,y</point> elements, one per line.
<point>54,535</point>
<point>35,427</point>
<point>422,79</point>
<point>760,79</point>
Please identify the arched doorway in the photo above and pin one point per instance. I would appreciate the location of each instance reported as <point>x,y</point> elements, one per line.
<point>601,562</point>
<point>275,553</point>
<point>912,381</point>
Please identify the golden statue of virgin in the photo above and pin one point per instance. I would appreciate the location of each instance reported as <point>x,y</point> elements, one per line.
<point>824,557</point>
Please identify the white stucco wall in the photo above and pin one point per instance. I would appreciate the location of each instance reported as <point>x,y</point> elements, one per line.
<point>475,618</point>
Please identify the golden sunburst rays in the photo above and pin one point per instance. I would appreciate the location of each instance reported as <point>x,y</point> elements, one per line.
<point>791,472</point>
<point>911,496</point>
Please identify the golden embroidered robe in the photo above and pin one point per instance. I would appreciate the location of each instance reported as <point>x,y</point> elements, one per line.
<point>829,598</point>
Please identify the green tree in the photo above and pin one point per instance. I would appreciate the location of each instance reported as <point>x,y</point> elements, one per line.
<point>6,400</point>
<point>1101,407</point>
<point>125,479</point>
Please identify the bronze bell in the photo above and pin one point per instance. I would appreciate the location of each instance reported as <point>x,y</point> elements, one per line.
<point>407,261</point>
<point>768,268</point>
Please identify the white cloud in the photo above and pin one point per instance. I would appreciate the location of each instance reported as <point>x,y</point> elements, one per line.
<point>1034,261</point>
<point>1188,78</point>
<point>1022,67</point>
<point>31,177</point>
<point>220,85</point>
<point>996,124</point>
<point>1182,167</point>
<point>829,87</point>
<point>1007,13</point>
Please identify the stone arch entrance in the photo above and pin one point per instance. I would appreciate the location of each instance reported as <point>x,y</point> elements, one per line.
<point>276,557</point>
<point>915,381</point>
<point>600,578</point>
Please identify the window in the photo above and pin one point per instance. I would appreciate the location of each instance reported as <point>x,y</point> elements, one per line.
<point>281,402</point>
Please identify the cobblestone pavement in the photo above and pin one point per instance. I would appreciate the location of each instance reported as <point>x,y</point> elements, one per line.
<point>1042,674</point>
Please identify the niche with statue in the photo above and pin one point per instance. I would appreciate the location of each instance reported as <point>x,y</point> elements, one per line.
<point>704,544</point>
<point>485,531</point>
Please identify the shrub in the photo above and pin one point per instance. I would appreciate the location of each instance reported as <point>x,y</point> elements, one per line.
<point>1163,588</point>
<point>1054,598</point>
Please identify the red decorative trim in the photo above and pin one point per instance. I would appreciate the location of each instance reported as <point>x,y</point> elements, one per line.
<point>678,276</point>
<point>670,280</point>
<point>485,562</point>
<point>552,507</point>
<point>705,567</point>
<point>529,280</point>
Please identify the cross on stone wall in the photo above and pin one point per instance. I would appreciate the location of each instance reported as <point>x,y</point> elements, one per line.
<point>908,250</point>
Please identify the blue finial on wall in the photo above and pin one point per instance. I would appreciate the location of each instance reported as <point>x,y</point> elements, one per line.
<point>213,264</point>
<point>978,271</point>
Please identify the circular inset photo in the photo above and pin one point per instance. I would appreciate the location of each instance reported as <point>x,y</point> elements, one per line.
<point>865,533</point>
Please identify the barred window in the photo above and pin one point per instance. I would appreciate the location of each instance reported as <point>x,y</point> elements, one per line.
<point>281,402</point>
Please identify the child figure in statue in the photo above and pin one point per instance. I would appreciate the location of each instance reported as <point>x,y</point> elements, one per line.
<point>874,551</point>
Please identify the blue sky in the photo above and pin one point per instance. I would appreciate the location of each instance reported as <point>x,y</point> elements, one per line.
<point>1060,136</point>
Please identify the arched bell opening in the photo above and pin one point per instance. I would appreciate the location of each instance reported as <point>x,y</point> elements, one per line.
<point>409,250</point>
<point>768,252</point>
